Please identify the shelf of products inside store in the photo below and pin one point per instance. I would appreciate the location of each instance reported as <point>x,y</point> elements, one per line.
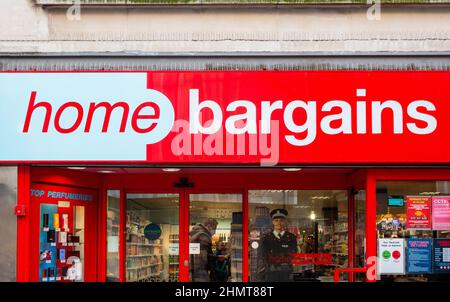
<point>336,242</point>
<point>236,247</point>
<point>113,220</point>
<point>144,259</point>
<point>236,252</point>
<point>112,223</point>
<point>173,259</point>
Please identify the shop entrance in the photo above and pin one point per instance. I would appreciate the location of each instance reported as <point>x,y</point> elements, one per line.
<point>164,244</point>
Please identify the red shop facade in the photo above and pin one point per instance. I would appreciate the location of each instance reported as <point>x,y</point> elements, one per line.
<point>189,175</point>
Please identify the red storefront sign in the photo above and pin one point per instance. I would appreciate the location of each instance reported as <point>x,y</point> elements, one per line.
<point>228,117</point>
<point>418,212</point>
<point>319,117</point>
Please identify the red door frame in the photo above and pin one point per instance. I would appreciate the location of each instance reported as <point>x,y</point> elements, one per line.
<point>351,234</point>
<point>184,222</point>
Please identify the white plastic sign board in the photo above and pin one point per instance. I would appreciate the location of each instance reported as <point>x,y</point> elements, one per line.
<point>391,256</point>
<point>174,249</point>
<point>194,248</point>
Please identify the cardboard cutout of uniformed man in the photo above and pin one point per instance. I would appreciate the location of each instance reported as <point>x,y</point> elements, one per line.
<point>278,245</point>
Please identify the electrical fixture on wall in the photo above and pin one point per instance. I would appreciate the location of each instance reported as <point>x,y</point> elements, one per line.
<point>312,216</point>
<point>184,183</point>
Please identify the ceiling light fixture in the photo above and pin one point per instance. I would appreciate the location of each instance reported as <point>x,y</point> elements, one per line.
<point>171,169</point>
<point>292,169</point>
<point>105,171</point>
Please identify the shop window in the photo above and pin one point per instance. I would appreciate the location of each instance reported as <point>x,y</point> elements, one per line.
<point>215,237</point>
<point>413,230</point>
<point>152,237</point>
<point>8,223</point>
<point>112,235</point>
<point>297,235</point>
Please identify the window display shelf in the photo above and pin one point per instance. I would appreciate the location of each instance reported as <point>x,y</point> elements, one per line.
<point>71,244</point>
<point>144,244</point>
<point>137,234</point>
<point>144,266</point>
<point>133,256</point>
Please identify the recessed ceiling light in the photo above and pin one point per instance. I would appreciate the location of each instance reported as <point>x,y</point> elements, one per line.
<point>76,168</point>
<point>105,171</point>
<point>291,169</point>
<point>171,169</point>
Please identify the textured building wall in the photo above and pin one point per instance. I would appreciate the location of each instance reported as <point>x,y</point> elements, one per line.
<point>28,28</point>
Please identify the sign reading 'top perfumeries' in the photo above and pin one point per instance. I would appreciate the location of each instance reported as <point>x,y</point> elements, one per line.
<point>227,117</point>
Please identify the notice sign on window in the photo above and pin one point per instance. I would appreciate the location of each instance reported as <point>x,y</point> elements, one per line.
<point>418,212</point>
<point>441,213</point>
<point>441,256</point>
<point>418,256</point>
<point>194,248</point>
<point>391,256</point>
<point>174,249</point>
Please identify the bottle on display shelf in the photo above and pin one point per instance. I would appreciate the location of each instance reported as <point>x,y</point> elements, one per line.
<point>56,220</point>
<point>45,221</point>
<point>44,274</point>
<point>65,221</point>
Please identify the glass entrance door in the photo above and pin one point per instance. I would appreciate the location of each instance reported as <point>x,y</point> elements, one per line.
<point>215,237</point>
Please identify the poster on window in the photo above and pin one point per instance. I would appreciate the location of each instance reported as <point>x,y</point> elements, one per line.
<point>391,256</point>
<point>418,256</point>
<point>441,256</point>
<point>418,212</point>
<point>441,213</point>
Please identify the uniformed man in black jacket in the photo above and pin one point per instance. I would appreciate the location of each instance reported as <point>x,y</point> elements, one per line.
<point>278,245</point>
